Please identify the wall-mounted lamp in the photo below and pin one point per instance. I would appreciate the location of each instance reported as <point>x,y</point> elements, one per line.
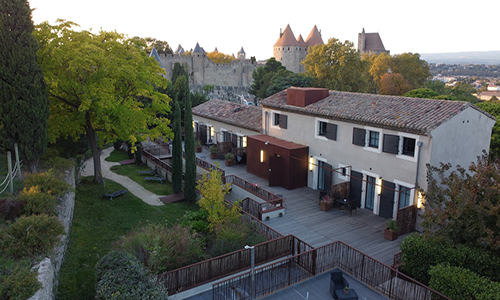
<point>261,155</point>
<point>379,186</point>
<point>193,125</point>
<point>267,143</point>
<point>212,131</point>
<point>311,163</point>
<point>244,142</point>
<point>420,200</point>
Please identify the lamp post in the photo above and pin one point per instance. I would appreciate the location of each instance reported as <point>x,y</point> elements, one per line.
<point>252,271</point>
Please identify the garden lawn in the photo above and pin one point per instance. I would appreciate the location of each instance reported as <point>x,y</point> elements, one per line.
<point>131,171</point>
<point>97,224</point>
<point>117,156</point>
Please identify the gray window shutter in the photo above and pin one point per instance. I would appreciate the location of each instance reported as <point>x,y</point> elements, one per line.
<point>331,131</point>
<point>391,144</point>
<point>358,136</point>
<point>283,121</point>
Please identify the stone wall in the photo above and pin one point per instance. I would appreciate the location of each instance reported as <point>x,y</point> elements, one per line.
<point>48,268</point>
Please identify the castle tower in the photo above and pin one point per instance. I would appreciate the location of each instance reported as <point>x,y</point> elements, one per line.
<point>370,43</point>
<point>241,54</point>
<point>198,58</point>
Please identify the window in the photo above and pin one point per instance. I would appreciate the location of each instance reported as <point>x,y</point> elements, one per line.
<point>373,139</point>
<point>280,120</point>
<point>322,128</point>
<point>358,136</point>
<point>404,196</point>
<point>408,146</point>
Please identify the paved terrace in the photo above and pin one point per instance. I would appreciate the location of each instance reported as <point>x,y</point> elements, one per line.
<point>304,219</point>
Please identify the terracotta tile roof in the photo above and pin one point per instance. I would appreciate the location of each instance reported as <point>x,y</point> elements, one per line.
<point>301,42</point>
<point>314,38</point>
<point>373,42</point>
<point>413,115</point>
<point>287,39</point>
<point>246,116</point>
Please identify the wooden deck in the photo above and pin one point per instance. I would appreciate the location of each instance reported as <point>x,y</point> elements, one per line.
<point>304,219</point>
<point>172,198</point>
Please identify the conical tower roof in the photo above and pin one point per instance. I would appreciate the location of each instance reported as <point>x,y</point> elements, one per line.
<point>154,54</point>
<point>287,38</point>
<point>179,50</point>
<point>216,51</point>
<point>241,51</point>
<point>301,42</point>
<point>314,38</point>
<point>198,49</point>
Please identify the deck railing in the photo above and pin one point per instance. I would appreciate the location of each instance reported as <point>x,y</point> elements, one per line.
<point>289,271</point>
<point>260,226</point>
<point>230,263</point>
<point>156,161</point>
<point>269,197</point>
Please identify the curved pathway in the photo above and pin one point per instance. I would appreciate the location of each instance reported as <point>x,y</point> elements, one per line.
<point>133,187</point>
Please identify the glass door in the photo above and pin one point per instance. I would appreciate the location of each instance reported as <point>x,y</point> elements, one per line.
<point>370,192</point>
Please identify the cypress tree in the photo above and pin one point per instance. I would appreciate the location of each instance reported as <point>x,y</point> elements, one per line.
<point>189,146</point>
<point>23,93</point>
<point>177,150</point>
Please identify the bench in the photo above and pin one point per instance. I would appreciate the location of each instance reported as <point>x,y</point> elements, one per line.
<point>150,172</point>
<point>112,195</point>
<point>155,178</point>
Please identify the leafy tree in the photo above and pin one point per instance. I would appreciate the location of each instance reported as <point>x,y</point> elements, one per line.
<point>436,85</point>
<point>463,91</point>
<point>220,58</point>
<point>462,205</point>
<point>336,66</point>
<point>190,180</point>
<point>178,71</point>
<point>285,79</point>
<point>161,47</point>
<point>379,66</point>
<point>262,77</point>
<point>23,94</point>
<point>393,84</point>
<point>212,200</point>
<point>95,82</point>
<point>493,109</point>
<point>412,68</point>
<point>177,150</point>
<point>422,93</point>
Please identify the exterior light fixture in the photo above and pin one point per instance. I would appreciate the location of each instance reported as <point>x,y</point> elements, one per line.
<point>311,163</point>
<point>212,131</point>
<point>261,155</point>
<point>379,186</point>
<point>193,125</point>
<point>244,142</point>
<point>420,200</point>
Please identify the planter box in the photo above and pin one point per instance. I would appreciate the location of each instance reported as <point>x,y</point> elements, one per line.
<point>390,235</point>
<point>198,149</point>
<point>213,155</point>
<point>229,163</point>
<point>325,206</point>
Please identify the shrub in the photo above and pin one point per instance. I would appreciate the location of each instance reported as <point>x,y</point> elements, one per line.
<point>234,236</point>
<point>31,236</point>
<point>197,221</point>
<point>420,253</point>
<point>17,281</point>
<point>47,183</point>
<point>120,276</point>
<point>10,209</point>
<point>36,202</point>
<point>161,248</point>
<point>461,283</point>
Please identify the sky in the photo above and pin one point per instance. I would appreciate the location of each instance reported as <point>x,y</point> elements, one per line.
<point>424,26</point>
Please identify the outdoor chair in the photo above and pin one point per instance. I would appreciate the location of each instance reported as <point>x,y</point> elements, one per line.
<point>111,195</point>
<point>337,282</point>
<point>352,206</point>
<point>155,178</point>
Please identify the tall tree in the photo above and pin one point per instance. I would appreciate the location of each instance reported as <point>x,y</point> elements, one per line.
<point>178,71</point>
<point>103,85</point>
<point>494,109</point>
<point>337,66</point>
<point>262,77</point>
<point>414,70</point>
<point>220,58</point>
<point>177,150</point>
<point>189,147</point>
<point>23,94</point>
<point>393,84</point>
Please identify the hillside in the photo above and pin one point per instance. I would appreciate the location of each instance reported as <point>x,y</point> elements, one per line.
<point>472,57</point>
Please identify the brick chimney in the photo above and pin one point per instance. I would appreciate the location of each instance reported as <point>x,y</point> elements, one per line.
<point>299,96</point>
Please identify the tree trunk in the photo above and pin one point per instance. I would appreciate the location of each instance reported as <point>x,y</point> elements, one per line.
<point>96,151</point>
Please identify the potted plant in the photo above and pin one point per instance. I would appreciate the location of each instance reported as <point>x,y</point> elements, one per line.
<point>346,290</point>
<point>229,159</point>
<point>391,232</point>
<point>326,203</point>
<point>213,152</point>
<point>198,146</point>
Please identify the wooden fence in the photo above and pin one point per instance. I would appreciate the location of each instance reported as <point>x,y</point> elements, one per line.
<point>260,227</point>
<point>227,264</point>
<point>156,161</point>
<point>289,271</point>
<point>269,197</point>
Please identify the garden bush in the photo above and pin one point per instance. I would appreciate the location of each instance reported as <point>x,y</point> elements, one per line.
<point>420,253</point>
<point>461,283</point>
<point>47,183</point>
<point>120,276</point>
<point>31,236</point>
<point>17,280</point>
<point>37,203</point>
<point>197,221</point>
<point>233,236</point>
<point>10,209</point>
<point>161,248</point>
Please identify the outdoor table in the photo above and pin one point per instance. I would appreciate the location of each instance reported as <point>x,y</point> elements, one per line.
<point>350,295</point>
<point>343,202</point>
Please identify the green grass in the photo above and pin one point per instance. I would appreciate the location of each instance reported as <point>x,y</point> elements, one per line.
<point>97,224</point>
<point>131,171</point>
<point>117,156</point>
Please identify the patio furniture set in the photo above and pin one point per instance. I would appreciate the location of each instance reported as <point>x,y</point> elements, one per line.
<point>339,287</point>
